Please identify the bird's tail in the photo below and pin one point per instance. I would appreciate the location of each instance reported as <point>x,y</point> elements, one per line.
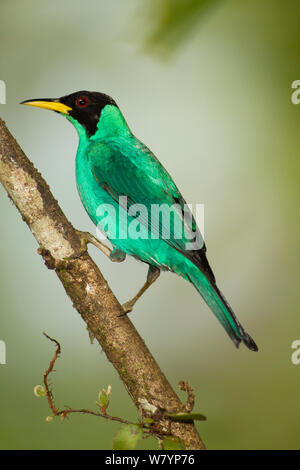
<point>220,307</point>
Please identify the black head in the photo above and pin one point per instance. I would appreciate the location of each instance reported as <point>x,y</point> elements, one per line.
<point>84,106</point>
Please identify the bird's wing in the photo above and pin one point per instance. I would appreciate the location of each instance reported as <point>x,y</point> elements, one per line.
<point>128,168</point>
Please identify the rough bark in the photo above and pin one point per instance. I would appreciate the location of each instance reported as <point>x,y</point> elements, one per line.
<point>60,246</point>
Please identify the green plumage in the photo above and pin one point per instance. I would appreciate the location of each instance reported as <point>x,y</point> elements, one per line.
<point>110,163</point>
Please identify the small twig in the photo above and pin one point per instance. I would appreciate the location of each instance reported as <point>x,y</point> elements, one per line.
<point>190,402</point>
<point>48,371</point>
<point>64,413</point>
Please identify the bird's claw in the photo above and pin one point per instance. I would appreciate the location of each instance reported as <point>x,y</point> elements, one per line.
<point>127,307</point>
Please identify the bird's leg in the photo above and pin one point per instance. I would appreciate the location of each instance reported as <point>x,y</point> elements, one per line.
<point>152,275</point>
<point>113,254</point>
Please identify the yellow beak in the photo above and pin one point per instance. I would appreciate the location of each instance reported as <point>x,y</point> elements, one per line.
<point>53,105</point>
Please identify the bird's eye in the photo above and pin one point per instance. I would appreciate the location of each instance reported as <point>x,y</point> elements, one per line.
<point>82,102</point>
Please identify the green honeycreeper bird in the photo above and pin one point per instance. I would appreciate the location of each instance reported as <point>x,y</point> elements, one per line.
<point>112,163</point>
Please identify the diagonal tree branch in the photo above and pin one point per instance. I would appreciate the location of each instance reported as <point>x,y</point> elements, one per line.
<point>60,246</point>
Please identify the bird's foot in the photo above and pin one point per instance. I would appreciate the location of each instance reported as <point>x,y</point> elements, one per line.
<point>86,238</point>
<point>113,254</point>
<point>127,307</point>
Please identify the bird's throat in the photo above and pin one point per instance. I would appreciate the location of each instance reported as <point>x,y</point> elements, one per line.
<point>111,123</point>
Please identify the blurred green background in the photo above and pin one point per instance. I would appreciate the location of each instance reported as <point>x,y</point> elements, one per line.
<point>207,86</point>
